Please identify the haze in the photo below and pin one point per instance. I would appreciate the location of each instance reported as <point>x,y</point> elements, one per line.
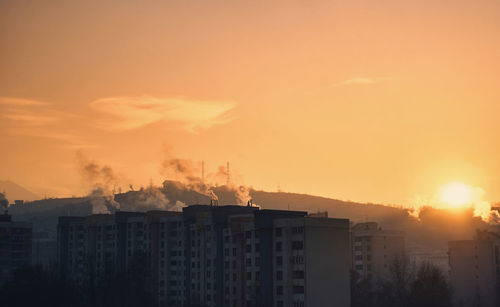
<point>380,101</point>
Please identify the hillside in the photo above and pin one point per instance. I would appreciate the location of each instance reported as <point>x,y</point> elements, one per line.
<point>434,228</point>
<point>14,191</point>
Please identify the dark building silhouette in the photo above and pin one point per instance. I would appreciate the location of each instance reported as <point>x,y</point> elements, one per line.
<point>475,270</point>
<point>15,246</point>
<point>216,255</point>
<point>374,249</point>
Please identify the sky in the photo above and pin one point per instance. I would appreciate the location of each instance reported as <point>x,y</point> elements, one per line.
<point>371,101</point>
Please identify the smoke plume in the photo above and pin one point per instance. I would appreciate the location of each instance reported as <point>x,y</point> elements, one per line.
<point>187,172</point>
<point>192,175</point>
<point>151,198</point>
<point>479,207</point>
<point>101,181</point>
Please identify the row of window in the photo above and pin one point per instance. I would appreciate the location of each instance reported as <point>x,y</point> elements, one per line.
<point>295,290</point>
<point>296,245</point>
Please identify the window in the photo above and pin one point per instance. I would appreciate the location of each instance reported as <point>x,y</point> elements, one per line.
<point>279,275</point>
<point>296,230</point>
<point>297,245</point>
<point>279,290</point>
<point>279,246</point>
<point>278,232</point>
<point>298,289</point>
<point>298,274</point>
<point>279,260</point>
<point>249,275</point>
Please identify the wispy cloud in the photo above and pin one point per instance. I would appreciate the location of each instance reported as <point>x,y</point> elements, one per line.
<point>21,102</point>
<point>38,119</point>
<point>359,81</point>
<point>28,116</point>
<point>125,113</point>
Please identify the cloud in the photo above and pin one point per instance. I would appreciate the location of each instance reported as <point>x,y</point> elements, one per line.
<point>359,81</point>
<point>39,119</point>
<point>127,113</point>
<point>21,102</point>
<point>28,116</point>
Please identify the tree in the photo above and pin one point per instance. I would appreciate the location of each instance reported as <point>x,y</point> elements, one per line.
<point>131,288</point>
<point>361,291</point>
<point>32,286</point>
<point>395,290</point>
<point>430,288</point>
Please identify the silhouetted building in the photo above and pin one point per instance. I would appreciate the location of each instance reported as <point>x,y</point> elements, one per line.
<point>475,270</point>
<point>15,246</point>
<point>217,255</point>
<point>375,249</point>
<point>44,250</point>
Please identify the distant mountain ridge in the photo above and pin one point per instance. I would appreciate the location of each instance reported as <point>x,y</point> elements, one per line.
<point>14,191</point>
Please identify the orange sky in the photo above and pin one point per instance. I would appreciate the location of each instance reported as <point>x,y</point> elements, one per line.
<point>379,101</point>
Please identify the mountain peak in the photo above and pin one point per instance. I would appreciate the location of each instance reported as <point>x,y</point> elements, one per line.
<point>13,191</point>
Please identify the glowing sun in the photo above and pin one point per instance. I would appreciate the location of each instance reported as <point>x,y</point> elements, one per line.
<point>456,194</point>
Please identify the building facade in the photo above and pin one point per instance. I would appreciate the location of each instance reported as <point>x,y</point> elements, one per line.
<point>374,250</point>
<point>15,246</point>
<point>475,270</point>
<point>218,255</point>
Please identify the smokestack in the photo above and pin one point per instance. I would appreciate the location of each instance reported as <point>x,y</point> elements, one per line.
<point>228,175</point>
<point>202,171</point>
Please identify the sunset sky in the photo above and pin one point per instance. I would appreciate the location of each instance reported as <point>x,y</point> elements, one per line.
<point>372,101</point>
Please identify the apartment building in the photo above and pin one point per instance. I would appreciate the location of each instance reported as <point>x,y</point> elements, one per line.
<point>44,250</point>
<point>15,246</point>
<point>311,262</point>
<point>475,270</point>
<point>218,255</point>
<point>374,249</point>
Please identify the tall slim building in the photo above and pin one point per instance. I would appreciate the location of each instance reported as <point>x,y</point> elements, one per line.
<point>475,270</point>
<point>219,255</point>
<point>374,249</point>
<point>15,246</point>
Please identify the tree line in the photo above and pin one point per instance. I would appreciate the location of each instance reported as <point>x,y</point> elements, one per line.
<point>406,285</point>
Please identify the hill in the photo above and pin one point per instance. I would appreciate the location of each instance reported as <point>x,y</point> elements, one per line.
<point>433,229</point>
<point>14,191</point>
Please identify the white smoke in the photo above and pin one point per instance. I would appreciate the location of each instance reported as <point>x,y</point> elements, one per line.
<point>151,198</point>
<point>480,207</point>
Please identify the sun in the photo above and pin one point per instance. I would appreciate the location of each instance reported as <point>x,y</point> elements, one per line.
<point>456,195</point>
